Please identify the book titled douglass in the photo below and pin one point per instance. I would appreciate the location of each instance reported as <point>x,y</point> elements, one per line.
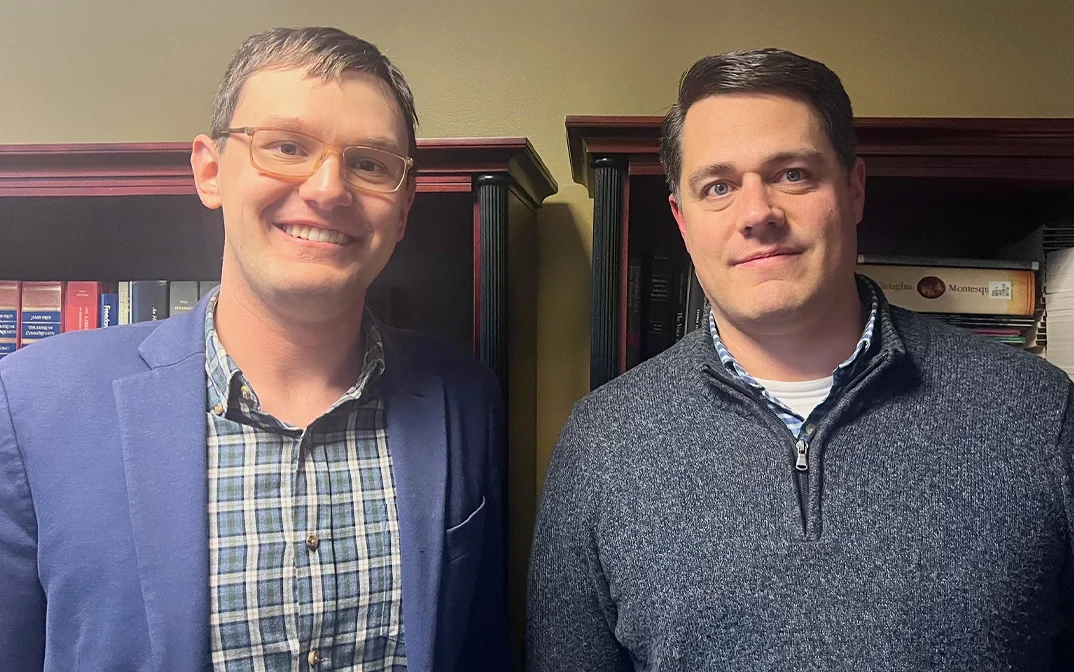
<point>939,289</point>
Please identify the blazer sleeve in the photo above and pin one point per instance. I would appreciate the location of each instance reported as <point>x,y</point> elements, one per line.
<point>486,646</point>
<point>22,600</point>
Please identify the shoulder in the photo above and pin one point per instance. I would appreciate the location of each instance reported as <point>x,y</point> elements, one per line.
<point>943,352</point>
<point>421,352</point>
<point>77,354</point>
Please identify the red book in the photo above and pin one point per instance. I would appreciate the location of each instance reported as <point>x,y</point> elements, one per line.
<point>10,307</point>
<point>82,306</point>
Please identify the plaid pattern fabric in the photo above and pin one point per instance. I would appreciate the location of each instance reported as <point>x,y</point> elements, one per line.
<point>840,377</point>
<point>304,564</point>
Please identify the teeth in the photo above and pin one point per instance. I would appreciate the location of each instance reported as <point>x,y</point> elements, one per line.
<point>317,235</point>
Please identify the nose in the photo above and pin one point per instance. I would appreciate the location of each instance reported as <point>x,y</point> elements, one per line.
<point>757,211</point>
<point>326,187</point>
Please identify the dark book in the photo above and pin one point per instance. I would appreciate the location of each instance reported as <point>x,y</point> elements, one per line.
<point>109,307</point>
<point>149,300</point>
<point>633,314</point>
<point>206,286</point>
<point>948,262</point>
<point>659,307</point>
<point>182,296</point>
<point>695,303</point>
<point>682,286</point>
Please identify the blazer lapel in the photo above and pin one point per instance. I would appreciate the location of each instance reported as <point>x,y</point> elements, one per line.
<point>417,440</point>
<point>162,429</point>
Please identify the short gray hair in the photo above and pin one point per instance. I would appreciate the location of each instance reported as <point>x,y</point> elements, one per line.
<point>327,53</point>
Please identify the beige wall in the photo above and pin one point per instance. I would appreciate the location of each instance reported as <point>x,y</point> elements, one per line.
<point>111,70</point>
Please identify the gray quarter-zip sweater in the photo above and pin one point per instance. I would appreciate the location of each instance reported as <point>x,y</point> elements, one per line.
<point>933,532</point>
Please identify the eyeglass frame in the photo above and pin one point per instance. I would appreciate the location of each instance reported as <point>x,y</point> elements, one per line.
<point>326,149</point>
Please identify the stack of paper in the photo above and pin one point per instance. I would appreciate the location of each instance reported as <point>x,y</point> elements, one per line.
<point>1059,304</point>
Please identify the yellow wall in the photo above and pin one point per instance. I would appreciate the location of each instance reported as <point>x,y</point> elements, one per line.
<point>137,70</point>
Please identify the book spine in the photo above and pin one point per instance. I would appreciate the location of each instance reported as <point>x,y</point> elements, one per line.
<point>206,286</point>
<point>123,291</point>
<point>182,296</point>
<point>81,306</point>
<point>109,309</point>
<point>682,289</point>
<point>633,314</point>
<point>659,307</point>
<point>149,300</point>
<point>10,306</point>
<point>695,303</point>
<point>42,311</point>
<point>934,289</point>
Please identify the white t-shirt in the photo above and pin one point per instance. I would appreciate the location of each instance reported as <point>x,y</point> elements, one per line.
<point>800,396</point>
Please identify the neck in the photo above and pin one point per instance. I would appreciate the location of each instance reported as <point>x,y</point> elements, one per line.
<point>300,360</point>
<point>808,347</point>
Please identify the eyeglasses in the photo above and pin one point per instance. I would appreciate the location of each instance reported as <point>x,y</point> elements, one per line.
<point>294,155</point>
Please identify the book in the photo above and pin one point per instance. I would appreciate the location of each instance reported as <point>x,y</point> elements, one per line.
<point>10,306</point>
<point>633,314</point>
<point>109,306</point>
<point>124,299</point>
<point>182,296</point>
<point>149,300</point>
<point>936,289</point>
<point>81,306</point>
<point>659,308</point>
<point>696,302</point>
<point>947,262</point>
<point>206,286</point>
<point>42,311</point>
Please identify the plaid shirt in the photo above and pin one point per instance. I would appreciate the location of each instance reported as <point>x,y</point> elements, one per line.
<point>840,377</point>
<point>304,564</point>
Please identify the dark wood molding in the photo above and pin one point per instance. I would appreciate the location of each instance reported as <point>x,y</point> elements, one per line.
<point>1040,149</point>
<point>128,169</point>
<point>607,262</point>
<point>492,194</point>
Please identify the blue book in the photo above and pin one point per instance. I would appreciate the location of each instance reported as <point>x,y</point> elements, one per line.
<point>42,303</point>
<point>109,309</point>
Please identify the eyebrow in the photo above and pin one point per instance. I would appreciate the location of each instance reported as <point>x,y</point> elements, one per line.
<point>720,169</point>
<point>293,124</point>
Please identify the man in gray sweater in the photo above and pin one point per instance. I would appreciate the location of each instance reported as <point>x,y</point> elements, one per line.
<point>818,480</point>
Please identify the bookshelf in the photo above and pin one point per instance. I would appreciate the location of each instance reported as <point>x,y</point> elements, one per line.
<point>939,187</point>
<point>465,270</point>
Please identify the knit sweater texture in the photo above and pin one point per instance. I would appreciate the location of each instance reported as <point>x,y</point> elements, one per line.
<point>933,530</point>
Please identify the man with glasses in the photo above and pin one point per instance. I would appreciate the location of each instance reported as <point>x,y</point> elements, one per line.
<point>275,480</point>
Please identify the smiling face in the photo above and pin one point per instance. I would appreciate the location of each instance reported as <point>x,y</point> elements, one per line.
<point>767,213</point>
<point>312,239</point>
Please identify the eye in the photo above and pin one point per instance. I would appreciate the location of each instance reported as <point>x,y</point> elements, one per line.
<point>718,189</point>
<point>291,149</point>
<point>794,175</point>
<point>366,165</point>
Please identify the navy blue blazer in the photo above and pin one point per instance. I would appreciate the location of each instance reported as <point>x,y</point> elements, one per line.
<point>103,501</point>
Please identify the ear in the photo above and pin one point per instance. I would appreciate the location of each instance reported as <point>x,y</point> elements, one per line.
<point>676,211</point>
<point>404,215</point>
<point>856,181</point>
<point>205,161</point>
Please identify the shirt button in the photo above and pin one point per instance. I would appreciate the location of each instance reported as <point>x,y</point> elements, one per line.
<point>246,394</point>
<point>810,428</point>
<point>312,543</point>
<point>314,657</point>
<point>218,409</point>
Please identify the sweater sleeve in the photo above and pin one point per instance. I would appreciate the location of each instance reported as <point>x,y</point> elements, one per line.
<point>570,616</point>
<point>1065,640</point>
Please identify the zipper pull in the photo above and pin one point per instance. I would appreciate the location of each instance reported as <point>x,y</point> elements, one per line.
<point>802,463</point>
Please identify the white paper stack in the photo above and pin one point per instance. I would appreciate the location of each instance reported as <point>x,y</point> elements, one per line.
<point>1059,306</point>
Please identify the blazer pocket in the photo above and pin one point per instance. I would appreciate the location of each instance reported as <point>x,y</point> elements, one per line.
<point>465,537</point>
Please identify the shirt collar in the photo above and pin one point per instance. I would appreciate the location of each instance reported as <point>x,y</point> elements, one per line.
<point>227,385</point>
<point>864,345</point>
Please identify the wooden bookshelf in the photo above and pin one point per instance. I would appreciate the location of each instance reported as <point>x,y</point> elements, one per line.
<point>955,187</point>
<point>465,271</point>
